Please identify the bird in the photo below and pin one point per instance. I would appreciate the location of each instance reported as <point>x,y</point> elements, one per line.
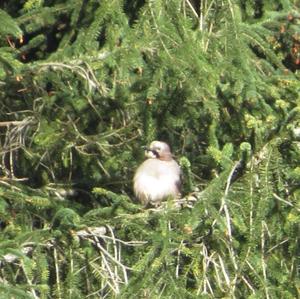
<point>158,177</point>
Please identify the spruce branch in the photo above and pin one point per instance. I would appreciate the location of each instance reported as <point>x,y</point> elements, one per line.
<point>29,281</point>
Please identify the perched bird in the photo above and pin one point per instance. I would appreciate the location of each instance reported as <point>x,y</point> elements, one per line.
<point>158,177</point>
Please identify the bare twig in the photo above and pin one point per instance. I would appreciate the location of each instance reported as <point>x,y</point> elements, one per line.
<point>263,264</point>
<point>57,273</point>
<point>224,271</point>
<point>11,123</point>
<point>285,201</point>
<point>248,284</point>
<point>277,245</point>
<point>192,8</point>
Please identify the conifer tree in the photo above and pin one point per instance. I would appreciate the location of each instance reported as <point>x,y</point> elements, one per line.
<point>84,84</point>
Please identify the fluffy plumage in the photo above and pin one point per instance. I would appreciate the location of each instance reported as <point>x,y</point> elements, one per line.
<point>158,177</point>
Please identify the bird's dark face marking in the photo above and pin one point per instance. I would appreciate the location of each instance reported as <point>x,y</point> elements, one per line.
<point>155,152</point>
<point>151,153</point>
<point>158,150</point>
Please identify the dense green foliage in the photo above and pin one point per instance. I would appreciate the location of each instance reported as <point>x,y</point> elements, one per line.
<point>84,84</point>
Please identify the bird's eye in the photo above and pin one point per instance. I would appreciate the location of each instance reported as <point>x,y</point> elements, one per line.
<point>158,149</point>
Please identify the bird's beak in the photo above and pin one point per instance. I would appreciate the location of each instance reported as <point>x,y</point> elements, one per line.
<point>147,149</point>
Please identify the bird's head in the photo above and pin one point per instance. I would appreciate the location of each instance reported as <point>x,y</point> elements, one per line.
<point>158,150</point>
